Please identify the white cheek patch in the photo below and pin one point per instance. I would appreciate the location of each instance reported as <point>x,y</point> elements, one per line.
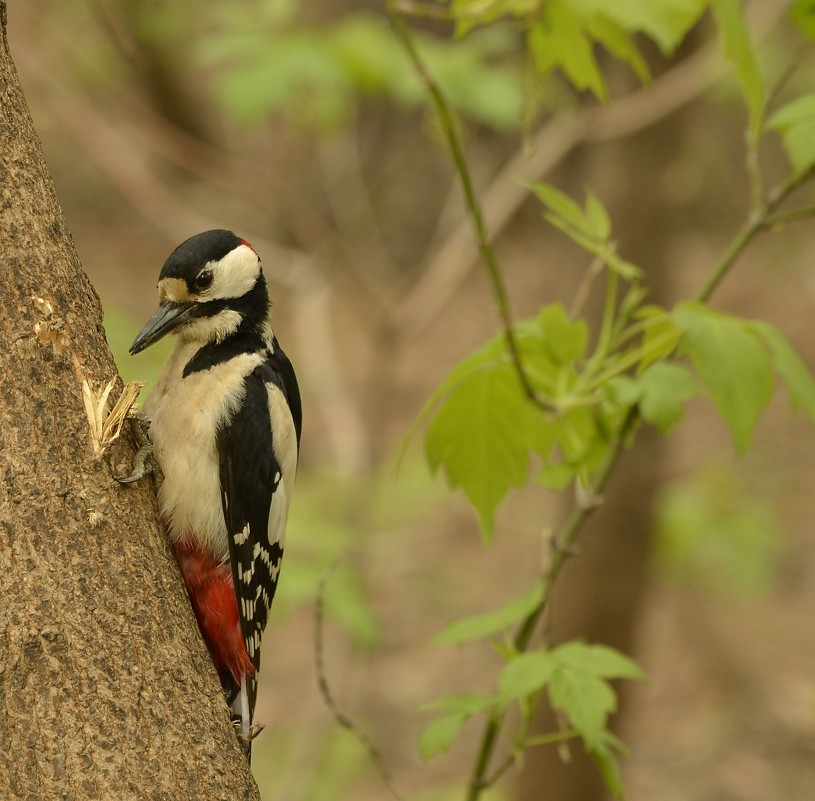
<point>234,275</point>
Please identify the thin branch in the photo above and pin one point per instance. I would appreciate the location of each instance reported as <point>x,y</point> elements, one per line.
<point>448,127</point>
<point>794,215</point>
<point>751,228</point>
<point>325,691</point>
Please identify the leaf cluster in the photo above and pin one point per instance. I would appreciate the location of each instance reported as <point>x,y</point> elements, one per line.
<point>485,435</point>
<point>272,63</point>
<point>575,677</point>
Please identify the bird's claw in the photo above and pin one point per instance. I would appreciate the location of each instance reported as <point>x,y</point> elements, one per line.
<point>145,461</point>
<point>254,730</point>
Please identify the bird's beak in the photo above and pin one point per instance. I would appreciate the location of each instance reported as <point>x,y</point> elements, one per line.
<point>167,317</point>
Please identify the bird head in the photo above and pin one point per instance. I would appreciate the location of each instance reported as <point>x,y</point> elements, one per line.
<point>210,287</point>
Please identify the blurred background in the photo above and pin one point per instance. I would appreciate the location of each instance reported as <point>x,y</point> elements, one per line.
<point>300,125</point>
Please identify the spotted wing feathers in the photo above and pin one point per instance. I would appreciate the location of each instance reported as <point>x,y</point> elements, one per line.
<point>251,476</point>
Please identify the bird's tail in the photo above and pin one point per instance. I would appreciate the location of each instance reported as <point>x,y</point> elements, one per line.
<point>242,708</point>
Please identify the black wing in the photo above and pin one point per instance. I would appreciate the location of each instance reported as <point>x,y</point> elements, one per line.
<point>252,480</point>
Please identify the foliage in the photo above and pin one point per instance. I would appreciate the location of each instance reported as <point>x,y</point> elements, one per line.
<point>552,394</point>
<point>271,63</point>
<point>712,533</point>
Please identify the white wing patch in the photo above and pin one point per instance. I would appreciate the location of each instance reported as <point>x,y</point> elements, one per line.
<point>284,442</point>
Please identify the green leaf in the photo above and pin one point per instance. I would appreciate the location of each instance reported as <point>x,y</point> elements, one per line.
<point>734,364</point>
<point>665,390</point>
<point>625,269</point>
<point>614,38</point>
<point>599,223</point>
<point>557,475</point>
<point>557,39</point>
<point>564,339</point>
<point>478,627</point>
<point>803,17</point>
<point>481,437</point>
<point>579,688</point>
<point>598,660</point>
<point>483,427</point>
<point>561,206</point>
<point>590,227</point>
<point>576,432</point>
<point>524,675</point>
<point>624,390</point>
<point>664,21</point>
<point>790,368</point>
<point>440,735</point>
<point>660,338</point>
<point>585,700</point>
<point>604,755</point>
<point>738,45</point>
<point>465,704</point>
<point>715,534</point>
<point>796,124</point>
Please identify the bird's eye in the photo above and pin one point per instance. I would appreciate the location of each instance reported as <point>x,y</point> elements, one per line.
<point>204,279</point>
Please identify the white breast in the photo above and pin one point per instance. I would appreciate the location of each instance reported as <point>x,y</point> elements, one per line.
<point>185,414</point>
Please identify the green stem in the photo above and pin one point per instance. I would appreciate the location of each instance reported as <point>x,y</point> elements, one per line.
<point>793,215</point>
<point>606,329</point>
<point>561,551</point>
<point>450,132</point>
<point>555,737</point>
<point>754,174</point>
<point>633,358</point>
<point>757,222</point>
<point>609,310</point>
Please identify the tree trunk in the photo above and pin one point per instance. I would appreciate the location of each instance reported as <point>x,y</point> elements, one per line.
<point>106,690</point>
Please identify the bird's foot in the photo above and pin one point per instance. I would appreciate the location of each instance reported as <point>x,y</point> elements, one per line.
<point>145,461</point>
<point>254,730</point>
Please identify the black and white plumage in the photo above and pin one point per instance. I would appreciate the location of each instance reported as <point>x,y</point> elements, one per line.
<point>225,422</point>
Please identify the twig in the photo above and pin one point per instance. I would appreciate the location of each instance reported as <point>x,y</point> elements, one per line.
<point>754,225</point>
<point>325,691</point>
<point>448,126</point>
<point>793,215</point>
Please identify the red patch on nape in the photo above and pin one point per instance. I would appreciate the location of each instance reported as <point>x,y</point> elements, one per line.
<point>212,593</point>
<point>249,245</point>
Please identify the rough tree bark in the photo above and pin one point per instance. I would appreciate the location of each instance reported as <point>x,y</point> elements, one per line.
<point>106,690</point>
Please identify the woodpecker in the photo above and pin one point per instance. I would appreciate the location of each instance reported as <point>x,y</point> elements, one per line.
<point>224,427</point>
